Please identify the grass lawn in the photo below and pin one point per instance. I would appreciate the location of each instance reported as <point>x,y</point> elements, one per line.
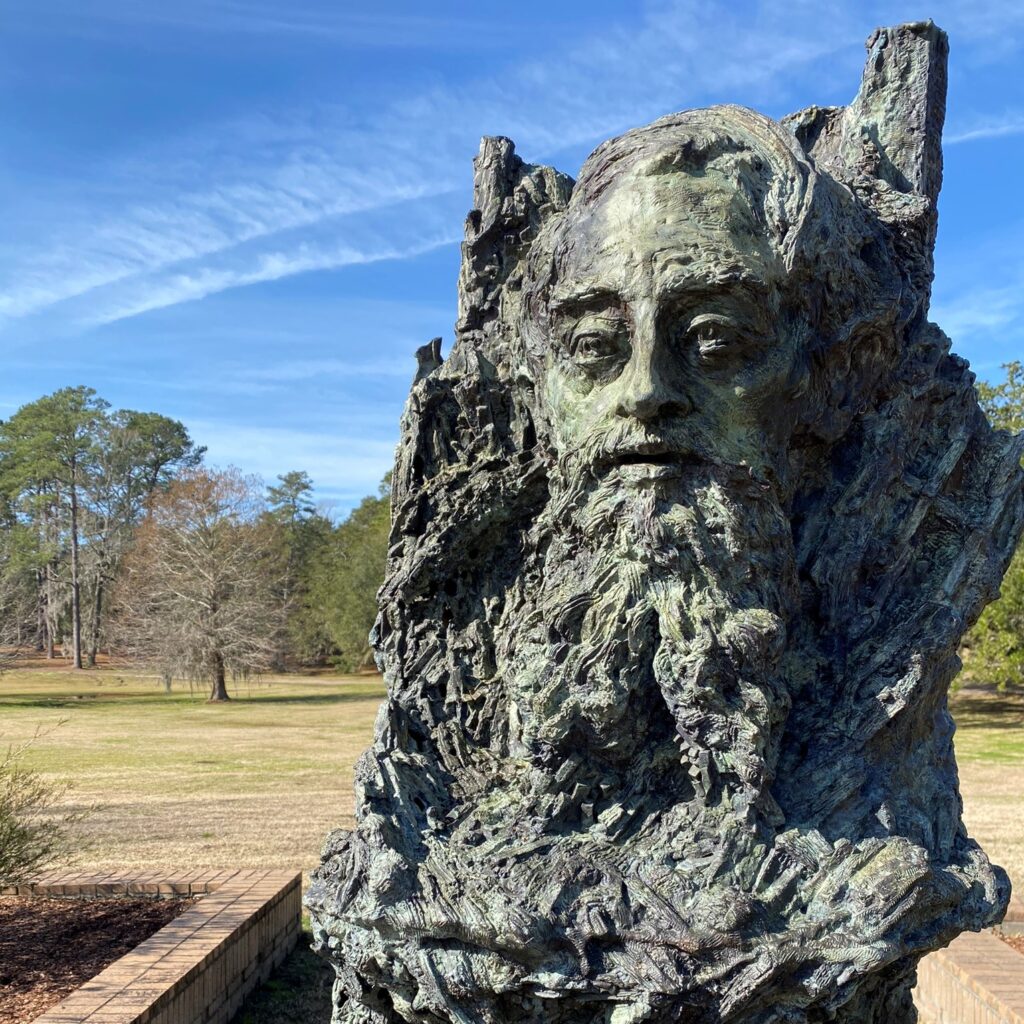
<point>183,784</point>
<point>990,753</point>
<point>298,992</point>
<point>260,781</point>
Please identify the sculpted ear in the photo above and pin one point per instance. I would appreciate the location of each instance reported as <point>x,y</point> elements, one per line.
<point>887,144</point>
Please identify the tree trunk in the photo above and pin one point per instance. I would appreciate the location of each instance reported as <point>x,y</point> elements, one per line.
<point>94,626</point>
<point>76,590</point>
<point>41,630</point>
<point>220,690</point>
<point>50,616</point>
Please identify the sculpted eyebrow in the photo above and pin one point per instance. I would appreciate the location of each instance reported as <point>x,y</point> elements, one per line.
<point>746,285</point>
<point>585,300</point>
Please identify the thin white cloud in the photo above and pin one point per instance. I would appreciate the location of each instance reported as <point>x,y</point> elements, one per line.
<point>315,173</point>
<point>280,193</point>
<point>195,225</point>
<point>171,289</point>
<point>354,462</point>
<point>988,128</point>
<point>332,24</point>
<point>980,311</point>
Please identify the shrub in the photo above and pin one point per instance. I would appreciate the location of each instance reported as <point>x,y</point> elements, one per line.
<point>33,832</point>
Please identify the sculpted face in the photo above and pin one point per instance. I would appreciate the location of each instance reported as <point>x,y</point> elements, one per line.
<point>667,343</point>
<point>666,359</point>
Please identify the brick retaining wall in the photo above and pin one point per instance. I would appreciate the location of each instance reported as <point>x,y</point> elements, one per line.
<point>1013,923</point>
<point>199,968</point>
<point>976,979</point>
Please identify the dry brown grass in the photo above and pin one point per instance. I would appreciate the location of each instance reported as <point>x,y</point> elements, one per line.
<point>990,752</point>
<point>261,781</point>
<point>184,784</point>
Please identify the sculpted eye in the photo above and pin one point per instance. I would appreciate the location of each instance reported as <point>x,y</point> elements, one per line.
<point>599,344</point>
<point>715,337</point>
<point>595,345</point>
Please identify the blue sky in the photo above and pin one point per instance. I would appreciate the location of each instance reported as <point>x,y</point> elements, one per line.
<point>246,215</point>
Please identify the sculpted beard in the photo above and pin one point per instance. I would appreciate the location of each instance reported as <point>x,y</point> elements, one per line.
<point>633,770</point>
<point>696,561</point>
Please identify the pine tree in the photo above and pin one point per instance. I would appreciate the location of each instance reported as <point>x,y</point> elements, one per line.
<point>47,453</point>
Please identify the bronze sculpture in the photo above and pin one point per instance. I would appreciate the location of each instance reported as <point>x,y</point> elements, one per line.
<point>686,532</point>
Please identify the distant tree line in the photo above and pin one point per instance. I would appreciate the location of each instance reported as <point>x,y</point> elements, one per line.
<point>116,539</point>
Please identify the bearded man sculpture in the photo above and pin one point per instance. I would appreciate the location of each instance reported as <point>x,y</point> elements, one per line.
<point>686,532</point>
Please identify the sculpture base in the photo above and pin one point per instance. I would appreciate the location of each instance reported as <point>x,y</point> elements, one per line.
<point>885,998</point>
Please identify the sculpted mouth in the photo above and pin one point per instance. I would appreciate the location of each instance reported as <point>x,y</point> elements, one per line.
<point>655,457</point>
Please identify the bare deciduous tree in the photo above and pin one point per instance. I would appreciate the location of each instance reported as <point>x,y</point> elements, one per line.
<point>199,593</point>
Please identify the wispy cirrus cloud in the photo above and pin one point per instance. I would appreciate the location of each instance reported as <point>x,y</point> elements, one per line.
<point>193,226</point>
<point>980,311</point>
<point>979,301</point>
<point>156,237</point>
<point>331,24</point>
<point>1011,123</point>
<point>188,285</point>
<point>282,193</point>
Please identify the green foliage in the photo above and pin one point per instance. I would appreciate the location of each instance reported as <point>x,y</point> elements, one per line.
<point>347,576</point>
<point>18,597</point>
<point>1004,402</point>
<point>47,450</point>
<point>304,535</point>
<point>996,644</point>
<point>74,481</point>
<point>77,481</point>
<point>291,502</point>
<point>49,444</point>
<point>32,831</point>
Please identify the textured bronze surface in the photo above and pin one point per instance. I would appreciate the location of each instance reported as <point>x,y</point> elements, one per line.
<point>687,529</point>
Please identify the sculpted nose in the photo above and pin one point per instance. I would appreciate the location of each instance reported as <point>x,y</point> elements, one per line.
<point>645,395</point>
<point>652,405</point>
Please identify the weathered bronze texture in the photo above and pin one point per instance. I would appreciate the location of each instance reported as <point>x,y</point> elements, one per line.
<point>687,530</point>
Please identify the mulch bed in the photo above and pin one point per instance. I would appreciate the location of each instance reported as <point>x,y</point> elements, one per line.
<point>50,946</point>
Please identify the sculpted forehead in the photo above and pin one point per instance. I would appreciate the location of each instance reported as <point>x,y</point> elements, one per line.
<point>662,233</point>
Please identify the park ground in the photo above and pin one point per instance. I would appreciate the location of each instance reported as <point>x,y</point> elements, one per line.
<point>175,783</point>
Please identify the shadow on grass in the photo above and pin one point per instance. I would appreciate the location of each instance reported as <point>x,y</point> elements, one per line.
<point>985,707</point>
<point>94,700</point>
<point>313,698</point>
<point>298,992</point>
<point>110,700</point>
